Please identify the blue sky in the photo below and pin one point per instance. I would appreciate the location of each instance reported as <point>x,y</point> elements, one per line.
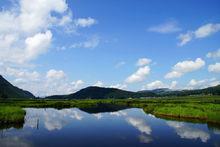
<point>57,47</point>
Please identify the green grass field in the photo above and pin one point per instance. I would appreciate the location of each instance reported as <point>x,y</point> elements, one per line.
<point>11,114</point>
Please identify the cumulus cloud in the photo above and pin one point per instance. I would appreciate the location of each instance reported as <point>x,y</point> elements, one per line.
<point>198,84</point>
<point>85,22</point>
<point>20,75</point>
<point>207,30</point>
<point>52,82</point>
<point>55,74</point>
<point>159,84</point>
<point>31,36</point>
<point>119,86</point>
<point>202,32</point>
<point>37,45</point>
<point>215,54</point>
<point>185,38</point>
<point>184,67</point>
<point>143,61</point>
<point>165,28</point>
<point>154,85</point>
<point>77,84</point>
<point>214,68</point>
<point>99,84</point>
<point>139,75</point>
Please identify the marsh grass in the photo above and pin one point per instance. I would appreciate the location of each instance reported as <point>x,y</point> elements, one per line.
<point>11,114</point>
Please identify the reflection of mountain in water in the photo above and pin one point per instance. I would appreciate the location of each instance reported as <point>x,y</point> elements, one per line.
<point>100,107</point>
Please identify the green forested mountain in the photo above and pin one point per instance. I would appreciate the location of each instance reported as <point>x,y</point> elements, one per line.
<point>7,90</point>
<point>94,92</point>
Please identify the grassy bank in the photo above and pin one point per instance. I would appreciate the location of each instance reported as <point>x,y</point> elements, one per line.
<point>199,108</point>
<point>9,114</point>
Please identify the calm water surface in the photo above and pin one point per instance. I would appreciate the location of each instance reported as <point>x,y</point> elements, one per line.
<point>125,128</point>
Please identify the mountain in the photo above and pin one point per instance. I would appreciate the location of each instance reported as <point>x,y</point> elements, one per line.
<point>94,92</point>
<point>215,90</point>
<point>7,90</point>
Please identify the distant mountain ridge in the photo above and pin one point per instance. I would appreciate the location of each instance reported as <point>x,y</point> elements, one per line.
<point>7,90</point>
<point>93,92</point>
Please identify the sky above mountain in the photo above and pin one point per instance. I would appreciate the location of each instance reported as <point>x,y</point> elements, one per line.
<point>60,46</point>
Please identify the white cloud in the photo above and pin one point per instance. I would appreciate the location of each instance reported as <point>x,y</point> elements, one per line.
<point>25,28</point>
<point>159,84</point>
<point>202,32</point>
<point>199,84</point>
<point>215,54</point>
<point>214,68</point>
<point>55,74</point>
<point>139,75</point>
<point>26,32</point>
<point>154,85</point>
<point>119,86</point>
<point>184,67</point>
<point>20,75</point>
<point>173,85</point>
<point>90,43</point>
<point>37,44</point>
<point>207,30</point>
<point>53,82</point>
<point>85,22</point>
<point>185,38</point>
<point>77,84</point>
<point>168,27</point>
<point>143,61</point>
<point>99,84</point>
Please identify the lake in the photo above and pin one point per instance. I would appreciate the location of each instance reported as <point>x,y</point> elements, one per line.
<point>124,128</point>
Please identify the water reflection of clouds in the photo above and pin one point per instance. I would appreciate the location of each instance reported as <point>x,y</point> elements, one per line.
<point>98,115</point>
<point>144,138</point>
<point>119,113</point>
<point>139,124</point>
<point>188,132</point>
<point>14,141</point>
<point>53,119</point>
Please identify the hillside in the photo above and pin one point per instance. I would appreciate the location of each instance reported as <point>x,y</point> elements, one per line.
<point>215,90</point>
<point>7,90</point>
<point>94,92</point>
